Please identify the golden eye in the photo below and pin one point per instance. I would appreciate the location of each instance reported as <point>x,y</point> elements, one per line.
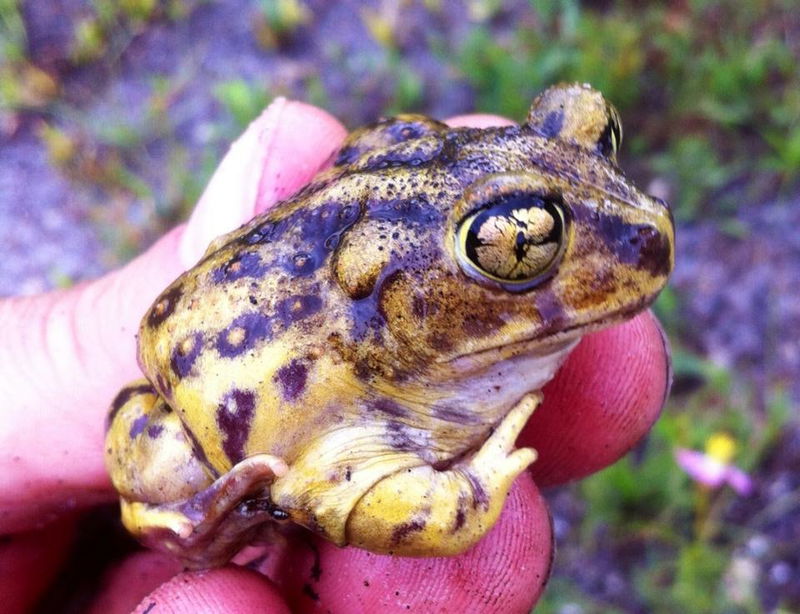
<point>515,240</point>
<point>611,139</point>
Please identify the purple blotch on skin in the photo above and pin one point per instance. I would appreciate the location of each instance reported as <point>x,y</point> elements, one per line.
<point>297,307</point>
<point>551,309</point>
<point>154,430</point>
<point>403,530</point>
<point>479,496</point>
<point>292,379</point>
<point>455,414</point>
<point>199,453</point>
<point>138,426</point>
<point>552,124</point>
<point>125,395</point>
<point>390,407</point>
<point>461,513</point>
<point>164,387</point>
<point>400,436</point>
<point>182,363</point>
<point>234,416</point>
<point>256,326</point>
<point>247,264</point>
<point>415,209</point>
<point>164,306</point>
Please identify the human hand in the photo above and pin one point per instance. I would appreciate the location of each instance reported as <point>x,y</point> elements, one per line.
<point>64,355</point>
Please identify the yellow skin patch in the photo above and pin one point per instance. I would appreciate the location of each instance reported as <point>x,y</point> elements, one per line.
<point>360,359</point>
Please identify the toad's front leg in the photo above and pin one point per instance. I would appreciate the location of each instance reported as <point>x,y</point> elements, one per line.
<point>421,511</point>
<point>171,499</point>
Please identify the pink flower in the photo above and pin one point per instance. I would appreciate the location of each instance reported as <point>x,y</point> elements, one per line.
<point>713,467</point>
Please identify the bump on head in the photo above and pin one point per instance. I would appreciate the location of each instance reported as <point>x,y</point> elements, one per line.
<point>579,114</point>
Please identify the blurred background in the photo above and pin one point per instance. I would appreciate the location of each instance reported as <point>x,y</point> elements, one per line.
<point>113,114</point>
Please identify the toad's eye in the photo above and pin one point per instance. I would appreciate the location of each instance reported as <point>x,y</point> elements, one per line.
<point>611,139</point>
<point>515,240</point>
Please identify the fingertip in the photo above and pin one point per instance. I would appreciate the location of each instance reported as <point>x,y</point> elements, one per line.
<point>478,120</point>
<point>303,141</point>
<point>130,581</point>
<point>224,590</point>
<point>505,572</point>
<point>601,403</point>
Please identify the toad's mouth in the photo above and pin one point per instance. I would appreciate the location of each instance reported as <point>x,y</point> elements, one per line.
<point>544,343</point>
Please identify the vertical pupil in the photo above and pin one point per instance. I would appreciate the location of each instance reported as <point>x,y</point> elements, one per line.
<point>483,241</point>
<point>519,248</point>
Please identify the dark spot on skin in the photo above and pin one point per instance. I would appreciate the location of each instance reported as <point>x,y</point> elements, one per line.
<point>399,436</point>
<point>636,244</point>
<point>154,430</point>
<point>138,426</point>
<point>297,307</point>
<point>319,231</point>
<point>481,325</point>
<point>164,387</point>
<point>185,354</point>
<point>246,264</point>
<point>461,513</point>
<point>412,210</point>
<point>307,590</point>
<point>550,309</point>
<point>149,608</point>
<point>402,531</point>
<point>198,452</point>
<point>366,583</point>
<point>303,264</point>
<point>348,474</point>
<point>386,133</point>
<point>456,415</point>
<point>164,306</point>
<point>552,124</point>
<point>234,415</point>
<point>366,319</point>
<point>363,370</point>
<point>419,307</point>
<point>440,341</point>
<point>292,379</point>
<point>243,334</point>
<point>405,155</point>
<point>347,155</point>
<point>125,395</point>
<point>655,252</point>
<point>479,496</point>
<point>390,408</point>
<point>267,232</point>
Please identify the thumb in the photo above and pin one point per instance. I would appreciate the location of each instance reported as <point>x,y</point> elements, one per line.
<point>64,354</point>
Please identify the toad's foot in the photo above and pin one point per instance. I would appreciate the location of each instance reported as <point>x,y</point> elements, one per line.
<point>208,528</point>
<point>422,511</point>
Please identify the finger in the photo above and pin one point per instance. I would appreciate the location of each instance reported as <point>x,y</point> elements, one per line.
<point>129,582</point>
<point>64,355</point>
<point>478,120</point>
<point>603,400</point>
<point>505,572</point>
<point>29,562</point>
<point>225,590</point>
